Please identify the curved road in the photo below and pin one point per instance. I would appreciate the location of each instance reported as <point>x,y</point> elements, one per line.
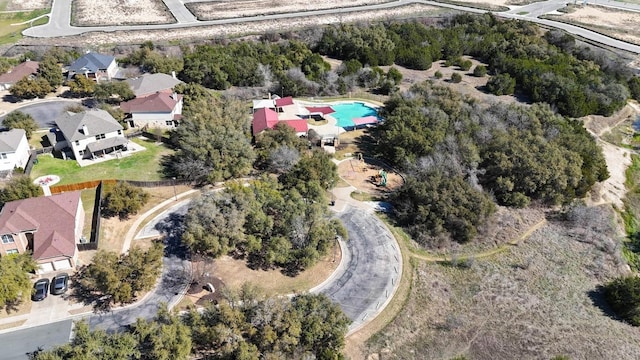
<point>60,19</point>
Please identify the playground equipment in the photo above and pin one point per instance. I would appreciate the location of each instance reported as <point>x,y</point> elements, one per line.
<point>383,178</point>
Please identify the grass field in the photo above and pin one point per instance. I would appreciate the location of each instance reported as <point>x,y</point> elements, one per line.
<point>9,33</point>
<point>144,165</point>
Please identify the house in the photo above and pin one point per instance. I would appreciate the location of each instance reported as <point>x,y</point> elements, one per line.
<point>49,226</point>
<point>17,73</point>
<point>160,110</point>
<point>266,118</point>
<point>88,134</point>
<point>150,84</point>
<point>14,149</point>
<point>95,66</point>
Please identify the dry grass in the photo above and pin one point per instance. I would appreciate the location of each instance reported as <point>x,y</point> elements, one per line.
<point>113,230</point>
<point>534,302</point>
<point>23,308</point>
<point>120,12</point>
<point>14,5</point>
<point>241,8</point>
<point>233,273</point>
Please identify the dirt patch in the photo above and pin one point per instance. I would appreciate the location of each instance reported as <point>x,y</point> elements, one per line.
<point>616,23</point>
<point>365,176</point>
<point>236,9</point>
<point>13,5</point>
<point>22,308</point>
<point>120,12</point>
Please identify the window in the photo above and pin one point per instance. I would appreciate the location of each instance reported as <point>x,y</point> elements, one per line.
<point>12,251</point>
<point>3,155</point>
<point>81,152</point>
<point>7,239</point>
<point>169,123</point>
<point>77,142</point>
<point>99,137</point>
<point>119,132</point>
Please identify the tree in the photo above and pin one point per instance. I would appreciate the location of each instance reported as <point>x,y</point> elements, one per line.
<point>113,91</point>
<point>123,199</point>
<point>49,70</point>
<point>164,338</point>
<point>456,77</point>
<point>15,282</point>
<point>19,120</point>
<point>19,187</point>
<point>28,88</point>
<point>623,295</point>
<point>82,86</point>
<point>501,84</point>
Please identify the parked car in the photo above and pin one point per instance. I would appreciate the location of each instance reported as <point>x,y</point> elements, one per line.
<point>60,284</point>
<point>41,288</point>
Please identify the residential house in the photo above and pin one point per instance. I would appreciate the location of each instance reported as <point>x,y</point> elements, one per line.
<point>17,73</point>
<point>150,84</point>
<point>88,134</point>
<point>49,226</point>
<point>266,118</point>
<point>160,110</point>
<point>95,66</point>
<point>14,149</point>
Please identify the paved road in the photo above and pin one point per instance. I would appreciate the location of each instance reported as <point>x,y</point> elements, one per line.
<point>59,24</point>
<point>16,344</point>
<point>45,113</point>
<point>372,267</point>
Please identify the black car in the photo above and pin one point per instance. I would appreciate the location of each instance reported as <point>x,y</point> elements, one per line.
<point>40,290</point>
<point>60,284</point>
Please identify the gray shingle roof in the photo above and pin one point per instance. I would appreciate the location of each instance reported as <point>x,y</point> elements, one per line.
<point>9,140</point>
<point>97,122</point>
<point>151,83</point>
<point>91,62</point>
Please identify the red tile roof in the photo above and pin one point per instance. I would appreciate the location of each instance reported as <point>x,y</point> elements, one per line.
<point>284,101</point>
<point>324,110</point>
<point>160,102</point>
<point>299,125</point>
<point>52,217</point>
<point>264,118</point>
<point>19,71</point>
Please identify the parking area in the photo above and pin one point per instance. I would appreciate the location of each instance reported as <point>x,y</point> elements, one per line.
<point>53,307</point>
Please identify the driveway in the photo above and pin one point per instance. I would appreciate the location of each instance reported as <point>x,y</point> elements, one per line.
<point>45,113</point>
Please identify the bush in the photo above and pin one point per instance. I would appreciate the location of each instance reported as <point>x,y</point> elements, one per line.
<point>438,75</point>
<point>501,84</point>
<point>480,71</point>
<point>456,77</point>
<point>123,199</point>
<point>623,295</point>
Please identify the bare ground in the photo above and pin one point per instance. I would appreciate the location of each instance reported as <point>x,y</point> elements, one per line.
<point>536,301</point>
<point>122,12</point>
<point>13,5</point>
<point>616,23</point>
<point>236,9</point>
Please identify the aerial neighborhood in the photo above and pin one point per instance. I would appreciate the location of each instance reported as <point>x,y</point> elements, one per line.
<point>330,180</point>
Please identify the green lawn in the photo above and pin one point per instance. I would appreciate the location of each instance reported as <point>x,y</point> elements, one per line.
<point>10,34</point>
<point>144,165</point>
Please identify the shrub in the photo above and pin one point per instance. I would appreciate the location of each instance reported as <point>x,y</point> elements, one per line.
<point>456,77</point>
<point>623,295</point>
<point>438,75</point>
<point>480,71</point>
<point>124,199</point>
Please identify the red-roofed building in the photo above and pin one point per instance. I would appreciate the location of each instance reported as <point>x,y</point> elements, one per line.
<point>285,101</point>
<point>48,226</point>
<point>17,73</point>
<point>264,118</point>
<point>160,110</point>
<point>299,125</point>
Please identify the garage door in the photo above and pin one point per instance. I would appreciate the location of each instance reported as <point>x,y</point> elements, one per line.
<point>61,265</point>
<point>46,267</point>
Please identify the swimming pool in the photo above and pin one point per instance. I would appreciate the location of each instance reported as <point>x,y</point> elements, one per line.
<point>346,112</point>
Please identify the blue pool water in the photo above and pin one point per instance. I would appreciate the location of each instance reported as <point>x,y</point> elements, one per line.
<point>344,113</point>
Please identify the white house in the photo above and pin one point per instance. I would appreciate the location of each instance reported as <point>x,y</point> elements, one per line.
<point>160,110</point>
<point>14,149</point>
<point>95,66</point>
<point>91,133</point>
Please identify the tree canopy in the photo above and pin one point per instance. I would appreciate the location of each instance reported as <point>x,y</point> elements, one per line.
<point>19,120</point>
<point>15,282</point>
<point>123,199</point>
<point>623,295</point>
<point>19,187</point>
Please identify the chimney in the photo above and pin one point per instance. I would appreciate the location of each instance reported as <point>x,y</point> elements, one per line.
<point>173,74</point>
<point>85,129</point>
<point>269,95</point>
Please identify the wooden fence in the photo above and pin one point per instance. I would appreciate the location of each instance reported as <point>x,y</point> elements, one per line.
<point>95,222</point>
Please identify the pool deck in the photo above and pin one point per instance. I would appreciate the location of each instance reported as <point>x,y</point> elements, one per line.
<point>331,127</point>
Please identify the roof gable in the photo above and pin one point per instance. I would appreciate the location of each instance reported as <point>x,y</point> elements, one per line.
<point>97,122</point>
<point>19,71</point>
<point>285,101</point>
<point>160,102</point>
<point>152,83</point>
<point>91,62</point>
<point>9,140</point>
<point>264,118</point>
<point>53,218</point>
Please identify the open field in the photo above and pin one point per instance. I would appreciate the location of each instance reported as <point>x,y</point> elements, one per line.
<point>619,24</point>
<point>144,165</point>
<point>235,9</point>
<point>536,301</point>
<point>120,12</point>
<point>14,5</point>
<point>10,33</point>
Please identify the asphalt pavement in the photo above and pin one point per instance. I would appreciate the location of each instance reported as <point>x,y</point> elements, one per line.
<point>17,344</point>
<point>45,112</point>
